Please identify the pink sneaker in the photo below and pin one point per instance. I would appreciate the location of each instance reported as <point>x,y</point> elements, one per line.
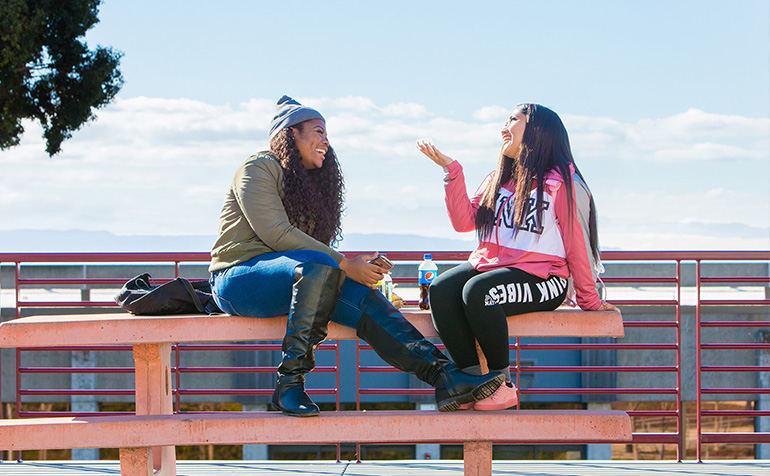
<point>467,406</point>
<point>504,397</point>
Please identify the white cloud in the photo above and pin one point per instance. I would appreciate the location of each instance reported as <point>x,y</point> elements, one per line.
<point>706,151</point>
<point>496,114</point>
<point>406,110</point>
<point>160,166</point>
<point>693,135</point>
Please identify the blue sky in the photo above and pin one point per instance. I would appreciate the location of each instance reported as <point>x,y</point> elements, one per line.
<point>667,104</point>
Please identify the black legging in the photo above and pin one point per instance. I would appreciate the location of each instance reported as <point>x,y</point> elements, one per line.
<point>468,306</point>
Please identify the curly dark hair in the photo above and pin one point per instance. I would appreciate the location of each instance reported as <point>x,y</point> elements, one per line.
<point>313,199</point>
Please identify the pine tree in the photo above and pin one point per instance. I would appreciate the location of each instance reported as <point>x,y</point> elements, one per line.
<point>48,73</point>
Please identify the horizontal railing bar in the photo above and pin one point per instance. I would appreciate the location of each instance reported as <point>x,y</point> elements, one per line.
<point>268,391</point>
<point>729,437</point>
<point>100,348</point>
<point>546,369</point>
<point>396,391</point>
<point>735,279</point>
<point>243,347</point>
<point>649,324</point>
<point>672,324</point>
<point>76,392</point>
<point>617,302</point>
<point>671,438</point>
<point>118,257</point>
<point>362,345</point>
<point>736,391</point>
<point>735,324</point>
<point>76,370</point>
<point>742,302</point>
<point>70,414</point>
<point>75,281</point>
<point>23,304</point>
<point>599,391</point>
<point>734,346</point>
<point>378,369</point>
<point>612,280</point>
<point>638,280</point>
<point>735,368</point>
<point>237,370</point>
<point>652,413</point>
<point>597,368</point>
<point>749,413</point>
<point>95,257</point>
<point>609,345</point>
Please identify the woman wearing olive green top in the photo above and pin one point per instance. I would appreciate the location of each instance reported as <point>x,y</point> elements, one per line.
<point>274,257</point>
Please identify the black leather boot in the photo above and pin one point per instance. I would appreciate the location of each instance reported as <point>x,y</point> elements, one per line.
<point>315,293</point>
<point>399,344</point>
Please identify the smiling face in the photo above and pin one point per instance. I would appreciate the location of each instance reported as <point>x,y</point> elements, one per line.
<point>512,132</point>
<point>310,138</point>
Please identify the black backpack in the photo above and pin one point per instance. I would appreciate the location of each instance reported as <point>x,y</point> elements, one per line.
<point>180,296</point>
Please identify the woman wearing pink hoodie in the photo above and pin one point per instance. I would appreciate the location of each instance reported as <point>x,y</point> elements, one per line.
<point>536,225</point>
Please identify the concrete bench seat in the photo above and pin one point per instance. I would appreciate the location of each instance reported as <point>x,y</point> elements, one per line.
<point>122,328</point>
<point>477,430</point>
<point>155,430</point>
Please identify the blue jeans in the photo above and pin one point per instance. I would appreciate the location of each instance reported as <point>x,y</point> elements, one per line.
<point>262,287</point>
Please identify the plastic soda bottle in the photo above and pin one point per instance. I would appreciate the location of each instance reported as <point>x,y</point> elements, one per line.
<point>386,286</point>
<point>426,273</point>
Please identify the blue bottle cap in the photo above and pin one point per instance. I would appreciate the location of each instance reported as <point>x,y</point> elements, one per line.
<point>427,256</point>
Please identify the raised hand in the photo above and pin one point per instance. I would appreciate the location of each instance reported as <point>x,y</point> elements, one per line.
<point>433,153</point>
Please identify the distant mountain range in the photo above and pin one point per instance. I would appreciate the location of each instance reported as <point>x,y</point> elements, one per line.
<point>20,241</point>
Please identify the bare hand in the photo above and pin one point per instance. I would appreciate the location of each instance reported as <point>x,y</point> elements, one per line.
<point>360,270</point>
<point>434,154</point>
<point>608,307</point>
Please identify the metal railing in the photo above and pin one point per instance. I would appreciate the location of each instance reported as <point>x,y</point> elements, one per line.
<point>729,437</point>
<point>671,326</point>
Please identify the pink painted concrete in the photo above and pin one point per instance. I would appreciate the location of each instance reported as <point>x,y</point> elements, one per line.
<point>520,426</point>
<point>137,462</point>
<point>121,328</point>
<point>154,397</point>
<point>477,458</point>
<point>155,426</point>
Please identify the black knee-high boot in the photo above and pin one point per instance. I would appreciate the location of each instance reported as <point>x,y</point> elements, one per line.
<point>399,344</point>
<point>315,293</point>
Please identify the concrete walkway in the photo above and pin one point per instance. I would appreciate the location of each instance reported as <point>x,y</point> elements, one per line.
<point>402,468</point>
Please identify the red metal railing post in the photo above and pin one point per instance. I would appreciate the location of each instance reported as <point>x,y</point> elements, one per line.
<point>698,383</point>
<point>177,378</point>
<point>337,389</point>
<point>681,423</point>
<point>358,392</point>
<point>17,290</point>
<point>18,392</point>
<point>518,368</point>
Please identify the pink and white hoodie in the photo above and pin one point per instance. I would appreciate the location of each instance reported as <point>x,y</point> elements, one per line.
<point>555,247</point>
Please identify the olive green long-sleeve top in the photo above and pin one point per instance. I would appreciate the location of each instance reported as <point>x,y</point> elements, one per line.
<point>253,220</point>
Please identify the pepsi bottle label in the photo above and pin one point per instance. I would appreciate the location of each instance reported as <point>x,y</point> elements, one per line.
<point>426,276</point>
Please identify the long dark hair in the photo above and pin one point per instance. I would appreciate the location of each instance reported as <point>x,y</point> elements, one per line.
<point>313,199</point>
<point>544,148</point>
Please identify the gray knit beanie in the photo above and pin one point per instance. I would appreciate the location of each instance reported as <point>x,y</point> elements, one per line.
<point>289,112</point>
